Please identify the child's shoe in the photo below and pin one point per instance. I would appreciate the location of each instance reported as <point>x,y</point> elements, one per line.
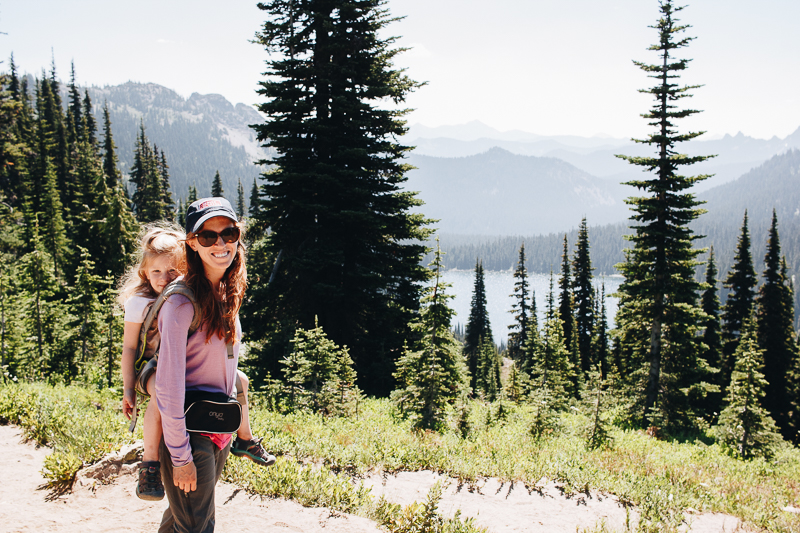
<point>149,486</point>
<point>253,450</point>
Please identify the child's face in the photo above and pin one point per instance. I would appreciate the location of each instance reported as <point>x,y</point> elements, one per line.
<point>160,272</point>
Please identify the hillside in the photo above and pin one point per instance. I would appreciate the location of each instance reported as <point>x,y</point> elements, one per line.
<point>498,192</point>
<point>200,135</point>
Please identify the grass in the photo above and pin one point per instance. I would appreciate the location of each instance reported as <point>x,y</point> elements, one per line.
<point>320,460</point>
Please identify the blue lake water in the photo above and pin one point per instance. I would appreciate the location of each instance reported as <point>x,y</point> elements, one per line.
<point>499,291</point>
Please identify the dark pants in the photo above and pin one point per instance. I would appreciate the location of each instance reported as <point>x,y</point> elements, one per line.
<point>193,512</point>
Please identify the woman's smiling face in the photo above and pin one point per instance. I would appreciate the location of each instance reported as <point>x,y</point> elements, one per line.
<point>219,256</point>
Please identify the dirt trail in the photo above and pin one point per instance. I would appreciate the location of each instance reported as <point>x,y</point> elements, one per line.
<point>113,507</point>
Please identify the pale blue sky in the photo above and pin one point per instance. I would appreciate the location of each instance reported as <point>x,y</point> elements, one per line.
<point>549,67</point>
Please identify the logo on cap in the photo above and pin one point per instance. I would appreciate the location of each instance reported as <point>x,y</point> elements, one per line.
<point>209,203</point>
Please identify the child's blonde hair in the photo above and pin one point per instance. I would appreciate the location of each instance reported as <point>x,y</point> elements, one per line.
<point>156,239</point>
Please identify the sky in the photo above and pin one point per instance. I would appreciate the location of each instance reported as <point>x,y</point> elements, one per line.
<point>551,67</point>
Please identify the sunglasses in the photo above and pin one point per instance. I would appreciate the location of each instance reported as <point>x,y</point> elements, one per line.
<point>208,238</point>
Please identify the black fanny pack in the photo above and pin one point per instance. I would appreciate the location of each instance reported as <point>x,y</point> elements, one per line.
<point>211,412</point>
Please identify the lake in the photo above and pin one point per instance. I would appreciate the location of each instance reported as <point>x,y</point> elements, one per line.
<point>500,287</point>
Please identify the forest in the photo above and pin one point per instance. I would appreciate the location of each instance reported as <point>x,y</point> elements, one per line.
<point>341,305</point>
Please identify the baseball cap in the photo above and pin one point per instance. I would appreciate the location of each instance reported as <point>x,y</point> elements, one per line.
<point>205,208</point>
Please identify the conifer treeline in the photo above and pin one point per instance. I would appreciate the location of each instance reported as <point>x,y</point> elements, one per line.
<point>69,229</point>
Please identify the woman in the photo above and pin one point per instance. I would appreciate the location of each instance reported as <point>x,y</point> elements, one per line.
<point>217,275</point>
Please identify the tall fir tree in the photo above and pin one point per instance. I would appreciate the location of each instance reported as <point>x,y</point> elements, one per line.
<point>255,201</point>
<point>518,330</point>
<point>659,274</point>
<point>89,123</point>
<point>740,282</point>
<point>110,161</point>
<point>216,186</point>
<point>710,304</point>
<point>712,338</point>
<point>432,373</point>
<point>744,425</point>
<point>583,298</point>
<point>599,348</point>
<point>565,301</point>
<point>478,329</point>
<point>776,337</point>
<point>341,224</point>
<point>240,207</point>
<point>168,205</point>
<point>75,104</point>
<point>533,341</point>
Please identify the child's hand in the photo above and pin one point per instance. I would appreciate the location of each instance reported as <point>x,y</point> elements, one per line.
<point>128,402</point>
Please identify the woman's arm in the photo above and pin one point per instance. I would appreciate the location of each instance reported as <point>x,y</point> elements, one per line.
<point>174,320</point>
<point>130,341</point>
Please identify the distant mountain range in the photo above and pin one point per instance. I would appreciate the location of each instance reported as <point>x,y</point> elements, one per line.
<point>595,155</point>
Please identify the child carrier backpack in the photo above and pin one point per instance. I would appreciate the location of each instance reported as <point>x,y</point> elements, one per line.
<point>226,410</point>
<point>150,339</point>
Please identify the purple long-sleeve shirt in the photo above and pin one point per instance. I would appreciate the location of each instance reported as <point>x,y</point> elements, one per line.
<point>192,364</point>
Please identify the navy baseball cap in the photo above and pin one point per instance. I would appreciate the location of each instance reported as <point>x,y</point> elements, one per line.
<point>205,208</point>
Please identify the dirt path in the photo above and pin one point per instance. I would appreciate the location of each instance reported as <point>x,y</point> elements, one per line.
<point>26,506</point>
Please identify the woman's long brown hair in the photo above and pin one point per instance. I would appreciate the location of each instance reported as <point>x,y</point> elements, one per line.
<point>218,316</point>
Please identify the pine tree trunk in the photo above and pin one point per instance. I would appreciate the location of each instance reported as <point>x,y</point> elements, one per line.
<point>651,396</point>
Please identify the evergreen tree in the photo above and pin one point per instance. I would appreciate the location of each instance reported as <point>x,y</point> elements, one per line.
<point>216,186</point>
<point>89,123</point>
<point>240,208</point>
<point>565,302</point>
<point>192,197</point>
<point>583,298</point>
<point>151,198</point>
<point>776,337</point>
<point>552,368</point>
<point>709,301</point>
<point>487,379</point>
<point>599,348</point>
<point>50,212</point>
<point>340,221</point>
<point>518,330</point>
<point>43,316</point>
<point>255,201</point>
<point>110,161</point>
<point>166,196</point>
<point>478,328</point>
<point>84,340</point>
<point>596,404</point>
<point>533,344</point>
<point>118,229</point>
<point>75,102</point>
<point>712,339</point>
<point>112,329</point>
<point>744,425</point>
<point>741,282</point>
<point>659,273</point>
<point>432,373</point>
<point>315,364</point>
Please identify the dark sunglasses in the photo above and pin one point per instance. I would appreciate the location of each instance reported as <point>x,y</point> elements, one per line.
<point>208,238</point>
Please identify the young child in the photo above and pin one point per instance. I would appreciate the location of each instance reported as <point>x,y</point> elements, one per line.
<point>161,260</point>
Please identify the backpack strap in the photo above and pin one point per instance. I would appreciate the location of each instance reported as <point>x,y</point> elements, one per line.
<point>176,287</point>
